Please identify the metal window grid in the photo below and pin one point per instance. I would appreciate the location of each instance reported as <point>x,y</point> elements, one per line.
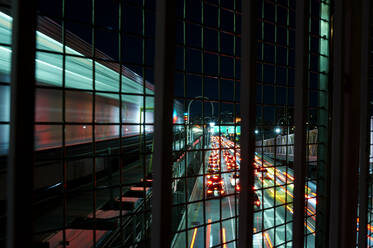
<point>199,64</point>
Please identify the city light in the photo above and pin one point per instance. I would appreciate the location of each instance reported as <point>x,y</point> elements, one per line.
<point>256,131</point>
<point>196,130</point>
<point>277,130</point>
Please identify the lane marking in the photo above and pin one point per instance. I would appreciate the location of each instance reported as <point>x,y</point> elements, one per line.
<point>224,240</point>
<point>268,239</point>
<point>232,224</point>
<point>208,233</point>
<point>194,238</point>
<point>190,213</point>
<point>227,182</point>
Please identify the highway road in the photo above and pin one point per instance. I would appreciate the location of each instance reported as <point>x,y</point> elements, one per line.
<point>215,222</point>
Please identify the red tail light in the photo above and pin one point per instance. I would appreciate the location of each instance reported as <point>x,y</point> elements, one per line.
<point>209,191</point>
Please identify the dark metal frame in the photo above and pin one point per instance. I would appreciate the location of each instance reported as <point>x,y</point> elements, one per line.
<point>324,130</point>
<point>364,137</point>
<point>337,124</point>
<point>301,83</point>
<point>347,86</point>
<point>164,81</point>
<point>248,122</point>
<point>21,147</point>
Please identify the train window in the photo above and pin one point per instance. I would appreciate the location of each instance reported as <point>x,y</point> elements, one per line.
<point>48,67</point>
<point>5,63</point>
<point>78,72</point>
<point>48,109</point>
<point>78,106</point>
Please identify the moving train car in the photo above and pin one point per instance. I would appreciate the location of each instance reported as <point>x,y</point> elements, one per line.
<point>284,145</point>
<point>85,105</point>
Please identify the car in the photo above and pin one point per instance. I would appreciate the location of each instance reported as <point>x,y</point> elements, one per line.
<point>231,166</point>
<point>214,166</point>
<point>214,190</point>
<point>213,161</point>
<point>263,173</point>
<point>213,157</point>
<point>256,200</point>
<point>211,172</point>
<point>235,179</point>
<point>261,169</point>
<point>265,176</point>
<point>215,179</point>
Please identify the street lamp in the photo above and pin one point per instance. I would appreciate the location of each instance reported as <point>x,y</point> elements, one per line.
<point>277,130</point>
<point>256,131</point>
<point>189,134</point>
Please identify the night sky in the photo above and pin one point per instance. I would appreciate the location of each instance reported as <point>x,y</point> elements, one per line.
<point>275,68</point>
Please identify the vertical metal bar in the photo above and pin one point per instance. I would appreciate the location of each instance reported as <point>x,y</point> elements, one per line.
<point>220,109</point>
<point>248,121</point>
<point>235,115</point>
<point>186,123</point>
<point>287,111</point>
<point>143,141</point>
<point>301,78</point>
<point>164,76</point>
<point>349,84</point>
<point>364,125</point>
<point>275,85</point>
<point>323,133</point>
<point>94,177</point>
<point>204,134</point>
<point>262,24</point>
<point>337,124</point>
<point>63,131</point>
<point>121,100</point>
<point>21,147</point>
<point>351,93</point>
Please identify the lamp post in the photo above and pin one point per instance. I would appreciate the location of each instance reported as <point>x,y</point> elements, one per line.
<point>283,119</point>
<point>189,131</point>
<point>286,119</point>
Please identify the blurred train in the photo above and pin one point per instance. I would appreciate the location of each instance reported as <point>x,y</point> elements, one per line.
<point>69,116</point>
<point>284,145</point>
